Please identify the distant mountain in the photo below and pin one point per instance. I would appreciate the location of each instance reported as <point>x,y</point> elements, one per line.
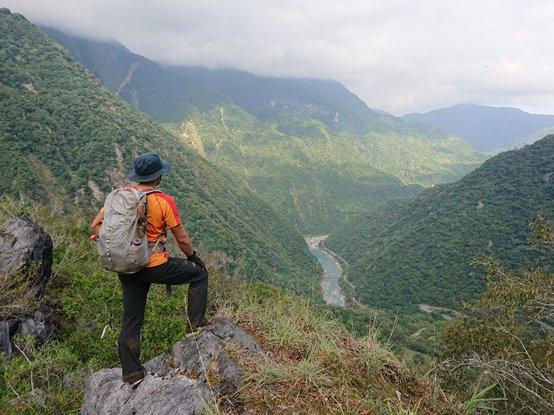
<point>419,250</point>
<point>382,112</point>
<point>65,141</point>
<point>485,128</point>
<point>269,98</point>
<point>309,147</point>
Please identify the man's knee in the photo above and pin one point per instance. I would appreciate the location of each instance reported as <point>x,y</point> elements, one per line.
<point>203,275</point>
<point>200,276</point>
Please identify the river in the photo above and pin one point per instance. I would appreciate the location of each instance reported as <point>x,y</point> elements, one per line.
<point>332,271</point>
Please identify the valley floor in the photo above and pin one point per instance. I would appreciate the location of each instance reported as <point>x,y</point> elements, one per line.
<point>332,271</point>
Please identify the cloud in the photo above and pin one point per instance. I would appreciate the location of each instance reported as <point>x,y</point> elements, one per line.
<point>399,55</point>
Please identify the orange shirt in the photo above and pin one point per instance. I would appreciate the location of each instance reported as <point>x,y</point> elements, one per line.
<point>162,213</point>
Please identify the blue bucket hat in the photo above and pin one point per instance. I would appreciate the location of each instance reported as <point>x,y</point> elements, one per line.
<point>148,167</point>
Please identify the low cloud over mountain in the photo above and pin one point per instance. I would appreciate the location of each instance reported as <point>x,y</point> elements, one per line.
<point>400,55</point>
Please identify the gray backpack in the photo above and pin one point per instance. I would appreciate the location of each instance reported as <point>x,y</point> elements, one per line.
<point>122,244</point>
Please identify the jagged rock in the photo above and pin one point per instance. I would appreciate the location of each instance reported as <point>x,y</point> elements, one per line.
<point>36,327</point>
<point>26,249</point>
<point>154,396</point>
<point>179,382</point>
<point>225,329</point>
<point>230,374</point>
<point>159,366</point>
<point>24,245</point>
<point>40,327</point>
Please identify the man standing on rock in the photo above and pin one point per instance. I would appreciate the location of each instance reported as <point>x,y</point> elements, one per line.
<point>161,213</point>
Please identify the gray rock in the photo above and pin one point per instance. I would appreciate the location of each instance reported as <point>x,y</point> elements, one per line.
<point>26,249</point>
<point>36,327</point>
<point>154,396</point>
<point>226,330</point>
<point>194,353</point>
<point>13,324</point>
<point>24,245</point>
<point>231,376</point>
<point>176,383</point>
<point>5,342</point>
<point>159,366</point>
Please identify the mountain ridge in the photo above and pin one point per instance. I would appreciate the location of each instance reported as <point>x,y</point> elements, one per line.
<point>420,249</point>
<point>486,128</point>
<point>66,141</point>
<point>285,139</point>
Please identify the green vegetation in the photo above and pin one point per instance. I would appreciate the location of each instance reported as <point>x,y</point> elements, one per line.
<point>312,364</point>
<point>243,172</point>
<point>166,96</point>
<point>66,141</point>
<point>419,250</point>
<point>319,178</point>
<point>311,148</point>
<point>506,337</point>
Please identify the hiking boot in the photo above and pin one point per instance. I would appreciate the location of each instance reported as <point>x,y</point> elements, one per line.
<point>133,378</point>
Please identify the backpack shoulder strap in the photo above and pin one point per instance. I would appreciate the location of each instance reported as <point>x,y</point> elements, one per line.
<point>147,192</point>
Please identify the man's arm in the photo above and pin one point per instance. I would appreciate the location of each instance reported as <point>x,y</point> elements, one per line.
<point>95,225</point>
<point>183,239</point>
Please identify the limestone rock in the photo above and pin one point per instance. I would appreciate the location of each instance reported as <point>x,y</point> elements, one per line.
<point>24,245</point>
<point>26,249</point>
<point>154,396</point>
<point>178,382</point>
<point>37,327</point>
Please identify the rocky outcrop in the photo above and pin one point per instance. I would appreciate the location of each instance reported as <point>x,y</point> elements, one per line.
<point>25,260</point>
<point>26,248</point>
<point>197,372</point>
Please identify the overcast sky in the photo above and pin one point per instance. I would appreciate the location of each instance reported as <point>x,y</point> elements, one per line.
<point>397,55</point>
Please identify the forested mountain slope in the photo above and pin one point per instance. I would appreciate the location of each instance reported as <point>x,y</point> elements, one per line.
<point>266,98</point>
<point>66,141</point>
<point>485,128</point>
<point>311,148</point>
<point>419,250</point>
<point>165,96</point>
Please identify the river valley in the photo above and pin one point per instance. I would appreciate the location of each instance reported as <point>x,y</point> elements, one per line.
<point>332,271</point>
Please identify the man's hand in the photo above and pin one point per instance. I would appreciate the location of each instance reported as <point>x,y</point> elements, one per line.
<point>95,225</point>
<point>194,258</point>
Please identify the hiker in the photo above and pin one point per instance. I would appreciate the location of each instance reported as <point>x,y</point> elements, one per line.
<point>160,213</point>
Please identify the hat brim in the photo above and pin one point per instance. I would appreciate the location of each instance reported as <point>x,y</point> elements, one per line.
<point>143,179</point>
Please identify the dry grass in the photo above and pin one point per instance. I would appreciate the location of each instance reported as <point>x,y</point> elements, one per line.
<point>313,365</point>
<point>17,296</point>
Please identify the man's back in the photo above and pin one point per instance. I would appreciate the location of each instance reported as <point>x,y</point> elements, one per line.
<point>162,213</point>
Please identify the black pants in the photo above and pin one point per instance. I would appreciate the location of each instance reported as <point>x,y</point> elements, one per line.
<point>135,290</point>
